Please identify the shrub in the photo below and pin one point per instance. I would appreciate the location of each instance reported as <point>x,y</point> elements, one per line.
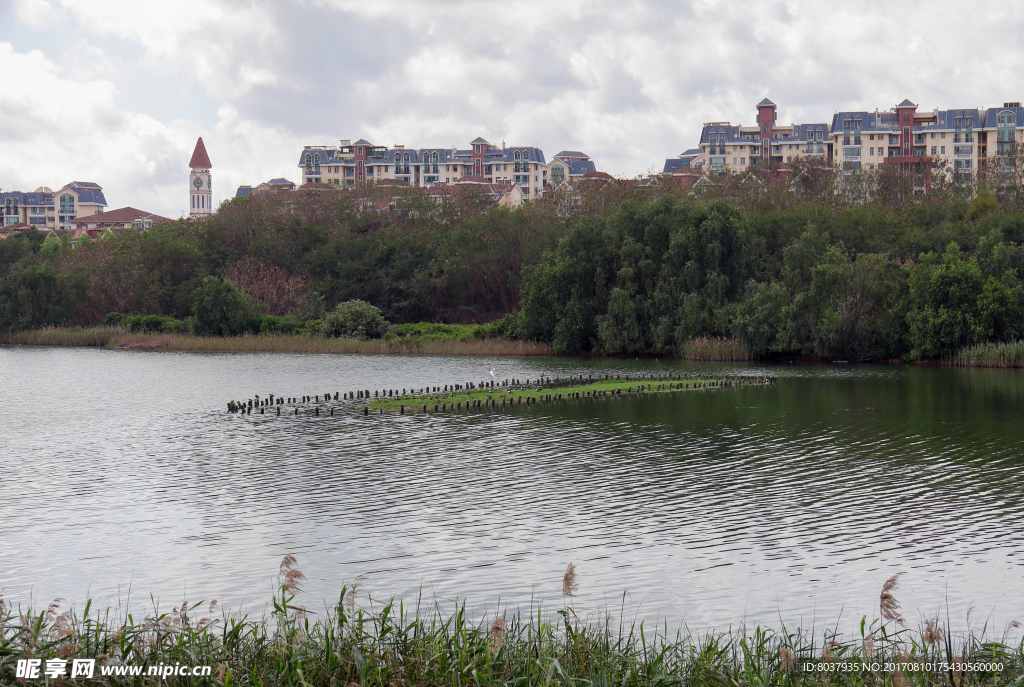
<point>114,319</point>
<point>353,319</point>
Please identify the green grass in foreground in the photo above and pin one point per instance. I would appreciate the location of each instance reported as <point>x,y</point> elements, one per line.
<point>366,643</point>
<point>515,392</point>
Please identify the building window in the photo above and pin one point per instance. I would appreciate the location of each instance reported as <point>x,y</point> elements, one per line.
<point>851,132</point>
<point>717,143</point>
<point>743,161</point>
<point>1006,135</point>
<point>557,174</point>
<point>943,150</point>
<point>67,204</point>
<point>933,149</point>
<point>872,151</point>
<point>963,129</point>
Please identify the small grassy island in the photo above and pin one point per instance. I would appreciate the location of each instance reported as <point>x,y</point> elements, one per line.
<point>491,394</point>
<point>517,392</point>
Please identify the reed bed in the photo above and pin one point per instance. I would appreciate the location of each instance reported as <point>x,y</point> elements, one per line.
<point>61,336</point>
<point>283,343</point>
<point>359,641</point>
<point>716,349</point>
<point>991,355</point>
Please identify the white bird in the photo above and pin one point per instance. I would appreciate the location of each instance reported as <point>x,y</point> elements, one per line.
<point>492,373</point>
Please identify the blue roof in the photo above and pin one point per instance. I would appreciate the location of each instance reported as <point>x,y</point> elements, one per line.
<point>733,133</point>
<point>571,153</point>
<point>765,102</point>
<point>444,155</point>
<point>243,192</point>
<point>906,103</point>
<point>279,181</point>
<point>580,167</point>
<point>91,196</point>
<point>993,112</point>
<point>27,199</point>
<point>889,121</point>
<point>674,163</point>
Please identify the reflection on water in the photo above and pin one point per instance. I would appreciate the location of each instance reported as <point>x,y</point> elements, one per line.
<point>790,503</point>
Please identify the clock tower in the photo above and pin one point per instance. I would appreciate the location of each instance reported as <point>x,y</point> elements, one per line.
<point>199,190</point>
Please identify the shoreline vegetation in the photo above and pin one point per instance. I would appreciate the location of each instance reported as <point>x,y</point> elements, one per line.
<point>116,337</point>
<point>810,263</point>
<point>423,341</point>
<point>367,642</point>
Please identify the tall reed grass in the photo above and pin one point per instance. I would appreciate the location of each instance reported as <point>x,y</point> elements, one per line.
<point>991,355</point>
<point>359,641</point>
<point>285,343</point>
<point>716,349</point>
<point>60,336</point>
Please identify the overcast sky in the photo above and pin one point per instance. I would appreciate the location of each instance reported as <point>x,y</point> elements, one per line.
<point>117,91</point>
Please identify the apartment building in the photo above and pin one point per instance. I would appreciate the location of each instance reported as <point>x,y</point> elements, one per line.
<point>728,148</point>
<point>568,165</point>
<point>46,209</point>
<point>959,139</point>
<point>350,165</point>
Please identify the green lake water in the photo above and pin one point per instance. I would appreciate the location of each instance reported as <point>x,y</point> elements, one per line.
<point>793,503</point>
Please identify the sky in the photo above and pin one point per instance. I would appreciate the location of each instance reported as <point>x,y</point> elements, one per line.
<point>118,91</point>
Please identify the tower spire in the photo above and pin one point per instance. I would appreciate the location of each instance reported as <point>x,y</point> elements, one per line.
<point>200,190</point>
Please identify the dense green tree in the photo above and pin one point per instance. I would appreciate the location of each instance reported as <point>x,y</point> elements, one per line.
<point>34,294</point>
<point>220,309</point>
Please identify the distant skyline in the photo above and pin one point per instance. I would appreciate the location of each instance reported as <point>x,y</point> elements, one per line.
<point>118,91</point>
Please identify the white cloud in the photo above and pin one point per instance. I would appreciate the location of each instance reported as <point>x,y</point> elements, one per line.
<point>629,82</point>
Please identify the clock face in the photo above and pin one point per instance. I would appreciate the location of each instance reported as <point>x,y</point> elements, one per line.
<point>198,182</point>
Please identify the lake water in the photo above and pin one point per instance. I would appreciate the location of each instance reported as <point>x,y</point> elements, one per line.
<point>123,479</point>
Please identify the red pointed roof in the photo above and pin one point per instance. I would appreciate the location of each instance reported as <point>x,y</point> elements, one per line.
<point>200,157</point>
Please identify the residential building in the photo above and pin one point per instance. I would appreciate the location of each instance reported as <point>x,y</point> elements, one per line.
<point>350,165</point>
<point>200,189</point>
<point>728,148</point>
<point>9,230</point>
<point>119,220</point>
<point>568,165</point>
<point>45,208</point>
<point>958,139</point>
<point>508,195</point>
<point>278,184</point>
